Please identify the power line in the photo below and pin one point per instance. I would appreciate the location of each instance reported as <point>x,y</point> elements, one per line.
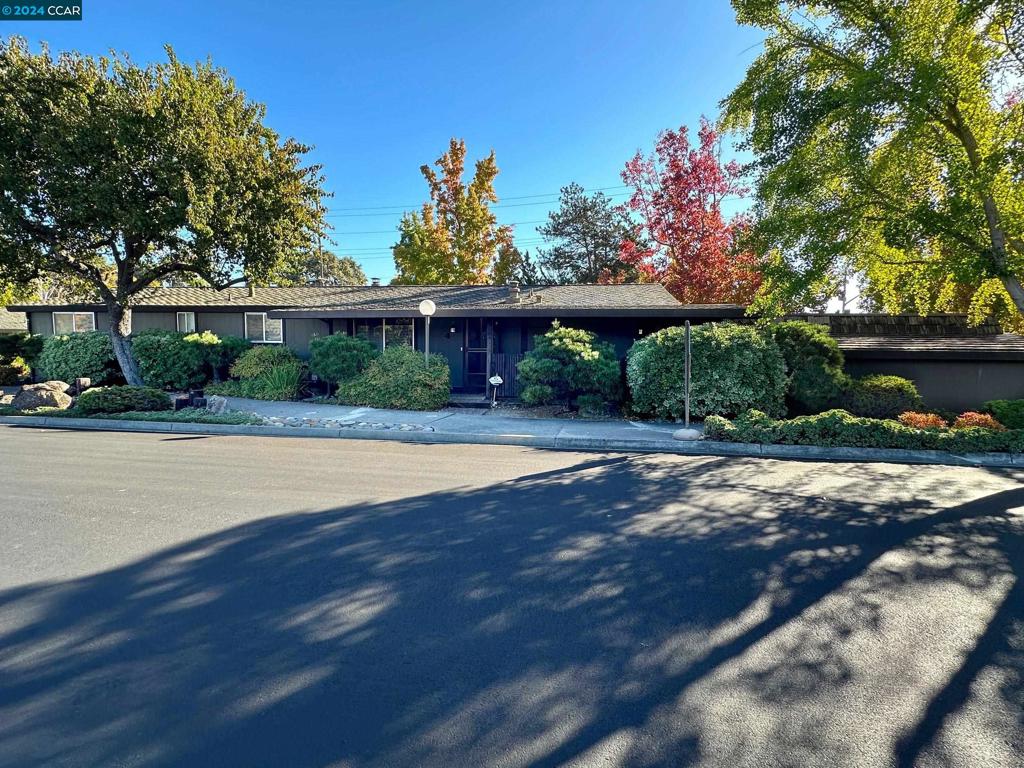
<point>391,231</point>
<point>518,197</point>
<point>493,207</point>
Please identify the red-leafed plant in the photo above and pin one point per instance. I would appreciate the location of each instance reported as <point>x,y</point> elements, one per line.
<point>682,238</point>
<point>922,420</point>
<point>975,419</point>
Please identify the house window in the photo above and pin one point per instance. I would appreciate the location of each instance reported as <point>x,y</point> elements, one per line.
<point>73,322</point>
<point>186,322</point>
<point>260,329</point>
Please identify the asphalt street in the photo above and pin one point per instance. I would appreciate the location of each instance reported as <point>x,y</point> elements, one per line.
<point>188,600</point>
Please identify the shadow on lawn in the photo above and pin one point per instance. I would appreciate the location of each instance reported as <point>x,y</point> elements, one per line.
<point>618,607</point>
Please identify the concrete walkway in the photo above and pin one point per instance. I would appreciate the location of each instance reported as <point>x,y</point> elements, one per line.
<point>481,422</point>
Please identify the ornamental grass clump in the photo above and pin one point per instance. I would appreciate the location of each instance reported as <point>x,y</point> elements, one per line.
<point>400,378</point>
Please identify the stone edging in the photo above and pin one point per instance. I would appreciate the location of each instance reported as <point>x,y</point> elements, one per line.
<point>695,448</point>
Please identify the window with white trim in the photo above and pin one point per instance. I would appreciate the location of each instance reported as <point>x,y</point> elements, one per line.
<point>261,329</point>
<point>186,322</point>
<point>73,322</point>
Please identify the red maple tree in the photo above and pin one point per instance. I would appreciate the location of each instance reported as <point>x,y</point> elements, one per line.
<point>682,239</point>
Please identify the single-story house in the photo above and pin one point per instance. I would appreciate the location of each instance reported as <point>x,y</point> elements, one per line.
<point>485,330</point>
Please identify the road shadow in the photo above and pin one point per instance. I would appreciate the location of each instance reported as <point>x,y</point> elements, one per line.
<point>575,614</point>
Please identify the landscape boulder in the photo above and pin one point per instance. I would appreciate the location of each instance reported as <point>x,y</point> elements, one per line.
<point>49,394</point>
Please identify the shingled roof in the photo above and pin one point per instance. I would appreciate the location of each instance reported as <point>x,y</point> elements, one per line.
<point>404,300</point>
<point>11,322</point>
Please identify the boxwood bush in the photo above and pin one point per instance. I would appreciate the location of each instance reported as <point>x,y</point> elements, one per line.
<point>1010,413</point>
<point>838,428</point>
<point>880,396</point>
<point>121,399</point>
<point>338,358</point>
<point>170,360</point>
<point>567,363</point>
<point>734,368</point>
<point>400,378</point>
<point>90,355</point>
<point>814,364</point>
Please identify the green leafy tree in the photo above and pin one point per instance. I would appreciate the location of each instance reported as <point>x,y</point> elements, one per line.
<point>455,239</point>
<point>318,267</point>
<point>586,235</point>
<point>123,176</point>
<point>888,136</point>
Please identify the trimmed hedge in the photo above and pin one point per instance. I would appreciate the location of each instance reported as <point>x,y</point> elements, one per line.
<point>814,363</point>
<point>260,359</point>
<point>400,378</point>
<point>89,355</point>
<point>1010,413</point>
<point>121,399</point>
<point>338,358</point>
<point>838,428</point>
<point>566,364</point>
<point>170,360</point>
<point>881,397</point>
<point>734,368</point>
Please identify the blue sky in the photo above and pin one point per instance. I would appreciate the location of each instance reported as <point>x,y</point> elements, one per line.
<point>563,91</point>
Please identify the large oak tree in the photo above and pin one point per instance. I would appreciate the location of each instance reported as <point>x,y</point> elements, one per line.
<point>122,176</point>
<point>888,136</point>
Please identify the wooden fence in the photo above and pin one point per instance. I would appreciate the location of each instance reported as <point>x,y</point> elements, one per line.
<point>504,365</point>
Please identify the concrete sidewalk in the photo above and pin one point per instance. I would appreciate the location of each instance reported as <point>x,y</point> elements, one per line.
<point>463,422</point>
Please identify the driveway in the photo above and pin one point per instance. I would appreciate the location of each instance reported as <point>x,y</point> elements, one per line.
<point>191,600</point>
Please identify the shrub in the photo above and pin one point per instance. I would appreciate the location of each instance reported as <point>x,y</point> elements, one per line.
<point>339,358</point>
<point>591,405</point>
<point>922,420</point>
<point>231,348</point>
<point>881,397</point>
<point>400,378</point>
<point>734,368</point>
<point>537,394</point>
<point>283,382</point>
<point>1010,413</point>
<point>970,419</point>
<point>842,429</point>
<point>13,371</point>
<point>230,388</point>
<point>170,360</point>
<point>260,359</point>
<point>20,345</point>
<point>121,399</point>
<point>89,355</point>
<point>814,363</point>
<point>566,363</point>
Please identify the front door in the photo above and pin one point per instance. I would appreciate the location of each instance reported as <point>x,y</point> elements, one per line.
<point>474,371</point>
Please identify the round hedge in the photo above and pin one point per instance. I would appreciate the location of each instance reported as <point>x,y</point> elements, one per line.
<point>815,365</point>
<point>79,355</point>
<point>170,360</point>
<point>261,359</point>
<point>734,368</point>
<point>400,378</point>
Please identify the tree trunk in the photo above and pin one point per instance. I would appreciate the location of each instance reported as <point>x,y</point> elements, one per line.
<point>998,238</point>
<point>120,337</point>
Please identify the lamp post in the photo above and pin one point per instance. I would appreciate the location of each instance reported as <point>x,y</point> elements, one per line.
<point>427,308</point>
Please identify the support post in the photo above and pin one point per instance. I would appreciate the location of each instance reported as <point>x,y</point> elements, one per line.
<point>686,377</point>
<point>426,341</point>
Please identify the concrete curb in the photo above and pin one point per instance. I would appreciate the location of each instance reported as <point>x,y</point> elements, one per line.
<point>567,443</point>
